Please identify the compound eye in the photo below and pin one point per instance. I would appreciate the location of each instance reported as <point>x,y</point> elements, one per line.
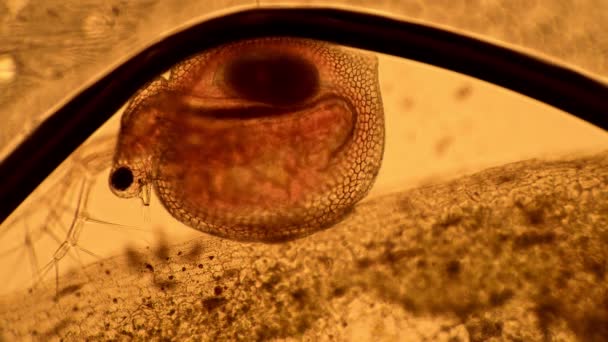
<point>121,179</point>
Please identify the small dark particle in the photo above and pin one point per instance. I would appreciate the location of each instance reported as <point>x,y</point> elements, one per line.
<point>500,298</point>
<point>271,283</point>
<point>300,296</point>
<point>597,268</point>
<point>211,257</point>
<point>55,330</point>
<point>407,103</point>
<point>166,285</point>
<point>394,255</point>
<point>303,326</point>
<point>52,13</point>
<point>563,278</point>
<point>530,239</point>
<point>409,304</point>
<point>127,333</point>
<point>213,303</point>
<point>200,265</point>
<point>463,92</point>
<point>108,272</point>
<point>534,216</point>
<point>450,221</point>
<point>150,267</point>
<point>339,292</point>
<point>171,277</point>
<point>442,145</point>
<point>364,262</point>
<point>325,261</point>
<point>485,329</point>
<point>67,291</point>
<point>114,300</point>
<point>194,253</point>
<point>231,272</point>
<point>217,290</point>
<point>171,312</point>
<point>505,178</point>
<point>133,258</point>
<point>453,268</point>
<point>183,269</point>
<point>162,249</point>
<point>547,311</point>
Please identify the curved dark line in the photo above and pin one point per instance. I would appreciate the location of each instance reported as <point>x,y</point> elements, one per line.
<point>59,135</point>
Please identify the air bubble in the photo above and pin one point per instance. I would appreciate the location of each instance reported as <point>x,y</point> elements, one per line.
<point>8,68</point>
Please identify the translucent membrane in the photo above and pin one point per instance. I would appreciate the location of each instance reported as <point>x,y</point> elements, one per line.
<point>265,140</point>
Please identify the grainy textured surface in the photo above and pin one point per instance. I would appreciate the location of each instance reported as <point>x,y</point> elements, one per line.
<point>512,253</point>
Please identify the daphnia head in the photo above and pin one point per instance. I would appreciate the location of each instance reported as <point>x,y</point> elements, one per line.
<point>130,175</point>
<point>136,149</point>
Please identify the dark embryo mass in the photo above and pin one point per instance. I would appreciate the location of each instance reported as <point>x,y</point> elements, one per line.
<point>274,79</point>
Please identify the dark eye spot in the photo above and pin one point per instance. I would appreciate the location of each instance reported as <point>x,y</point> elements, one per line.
<point>121,178</point>
<point>277,79</point>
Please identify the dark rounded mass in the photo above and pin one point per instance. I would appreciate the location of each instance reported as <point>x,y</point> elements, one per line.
<point>121,178</point>
<point>272,78</point>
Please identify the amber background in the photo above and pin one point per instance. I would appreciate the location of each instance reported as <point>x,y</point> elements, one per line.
<point>439,124</point>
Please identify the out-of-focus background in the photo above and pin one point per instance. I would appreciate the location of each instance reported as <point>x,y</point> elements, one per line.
<point>439,124</point>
